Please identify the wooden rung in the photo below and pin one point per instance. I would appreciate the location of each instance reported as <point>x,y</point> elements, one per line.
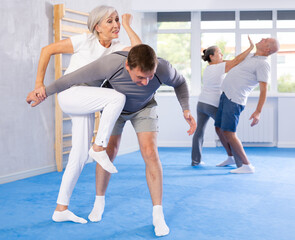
<point>71,29</point>
<point>66,135</point>
<point>66,119</point>
<point>66,35</point>
<point>77,12</point>
<point>66,152</point>
<point>74,21</point>
<point>67,144</point>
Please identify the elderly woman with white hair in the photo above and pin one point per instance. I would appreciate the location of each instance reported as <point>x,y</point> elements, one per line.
<point>81,102</point>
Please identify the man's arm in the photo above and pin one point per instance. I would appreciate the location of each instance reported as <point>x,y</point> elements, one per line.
<point>95,72</point>
<point>182,95</point>
<point>191,121</point>
<point>168,75</point>
<point>262,98</point>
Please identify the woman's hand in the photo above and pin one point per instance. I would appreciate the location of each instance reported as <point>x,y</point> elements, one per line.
<point>126,20</point>
<point>40,91</point>
<point>251,43</point>
<point>32,98</point>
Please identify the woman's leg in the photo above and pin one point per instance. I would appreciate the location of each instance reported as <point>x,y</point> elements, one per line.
<point>85,100</point>
<point>198,138</point>
<point>82,132</point>
<point>80,103</point>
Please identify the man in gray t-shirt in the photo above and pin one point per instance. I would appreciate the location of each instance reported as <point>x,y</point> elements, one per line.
<point>128,75</point>
<point>236,87</point>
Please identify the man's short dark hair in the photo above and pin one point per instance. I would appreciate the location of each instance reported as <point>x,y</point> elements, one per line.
<point>142,56</point>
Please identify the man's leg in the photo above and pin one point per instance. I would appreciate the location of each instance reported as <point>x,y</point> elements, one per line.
<point>238,149</point>
<point>154,176</point>
<point>102,179</point>
<point>230,159</point>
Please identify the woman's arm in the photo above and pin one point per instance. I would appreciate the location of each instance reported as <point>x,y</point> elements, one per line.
<point>93,73</point>
<point>134,39</point>
<point>63,46</point>
<point>230,64</point>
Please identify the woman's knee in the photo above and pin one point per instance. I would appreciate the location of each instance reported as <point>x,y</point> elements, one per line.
<point>119,98</point>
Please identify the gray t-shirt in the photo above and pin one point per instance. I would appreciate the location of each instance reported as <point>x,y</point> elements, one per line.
<point>243,78</point>
<point>112,68</point>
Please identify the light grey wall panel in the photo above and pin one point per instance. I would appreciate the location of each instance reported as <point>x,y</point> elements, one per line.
<point>27,134</point>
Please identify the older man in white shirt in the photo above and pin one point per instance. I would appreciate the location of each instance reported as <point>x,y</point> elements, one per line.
<point>236,87</point>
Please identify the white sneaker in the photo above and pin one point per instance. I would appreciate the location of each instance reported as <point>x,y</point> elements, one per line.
<point>198,164</point>
<point>229,161</point>
<point>244,169</point>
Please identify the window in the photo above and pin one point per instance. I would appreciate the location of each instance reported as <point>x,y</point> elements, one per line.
<point>181,38</point>
<point>286,63</point>
<point>225,41</point>
<point>176,49</point>
<point>217,20</point>
<point>173,42</point>
<point>179,20</point>
<point>286,19</point>
<point>256,19</point>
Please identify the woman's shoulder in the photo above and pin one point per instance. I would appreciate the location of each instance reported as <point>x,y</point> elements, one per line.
<point>215,67</point>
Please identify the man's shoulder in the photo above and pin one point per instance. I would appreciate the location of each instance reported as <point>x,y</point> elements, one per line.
<point>115,58</point>
<point>120,53</point>
<point>163,66</point>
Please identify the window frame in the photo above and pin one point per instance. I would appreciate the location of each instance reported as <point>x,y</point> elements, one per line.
<point>196,32</point>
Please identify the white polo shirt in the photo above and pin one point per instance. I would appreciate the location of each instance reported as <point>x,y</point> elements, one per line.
<point>243,78</point>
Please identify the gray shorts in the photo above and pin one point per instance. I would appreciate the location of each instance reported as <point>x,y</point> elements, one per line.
<point>144,120</point>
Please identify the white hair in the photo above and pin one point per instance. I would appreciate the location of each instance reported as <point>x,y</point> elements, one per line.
<point>274,46</point>
<point>97,15</point>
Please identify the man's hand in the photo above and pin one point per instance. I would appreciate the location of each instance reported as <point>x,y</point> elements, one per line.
<point>32,97</point>
<point>191,121</point>
<point>255,116</point>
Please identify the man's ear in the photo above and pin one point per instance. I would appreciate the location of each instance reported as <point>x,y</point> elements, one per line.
<point>127,66</point>
<point>267,51</point>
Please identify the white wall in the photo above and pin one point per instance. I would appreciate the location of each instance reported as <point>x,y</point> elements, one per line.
<point>173,127</point>
<point>26,134</point>
<point>174,134</point>
<point>286,116</point>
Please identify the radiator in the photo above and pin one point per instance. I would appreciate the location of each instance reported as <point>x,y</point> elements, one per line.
<point>263,132</point>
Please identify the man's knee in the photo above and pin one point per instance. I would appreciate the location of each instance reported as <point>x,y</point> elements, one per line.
<point>229,136</point>
<point>218,130</point>
<point>149,153</point>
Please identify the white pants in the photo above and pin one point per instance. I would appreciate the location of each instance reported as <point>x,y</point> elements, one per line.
<point>80,103</point>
